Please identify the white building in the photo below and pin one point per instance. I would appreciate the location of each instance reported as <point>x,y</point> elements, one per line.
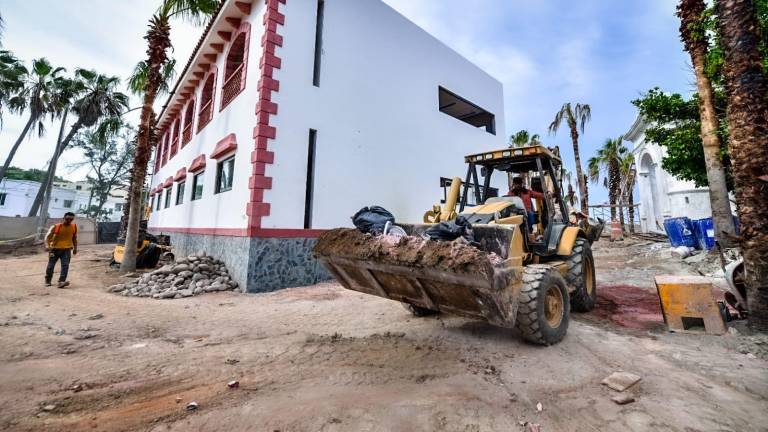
<point>17,197</point>
<point>292,115</point>
<point>662,196</point>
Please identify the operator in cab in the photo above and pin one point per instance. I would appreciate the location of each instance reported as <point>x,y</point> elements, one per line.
<point>527,195</point>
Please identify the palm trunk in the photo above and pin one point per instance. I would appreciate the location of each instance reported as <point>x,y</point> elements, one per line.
<point>158,41</point>
<point>690,12</point>
<point>50,175</point>
<point>47,184</point>
<point>579,175</point>
<point>747,87</point>
<point>631,200</point>
<point>15,147</point>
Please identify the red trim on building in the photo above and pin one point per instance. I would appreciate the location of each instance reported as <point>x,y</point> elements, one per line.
<point>198,163</point>
<point>242,232</point>
<point>181,174</point>
<point>225,146</point>
<point>263,132</point>
<point>168,182</point>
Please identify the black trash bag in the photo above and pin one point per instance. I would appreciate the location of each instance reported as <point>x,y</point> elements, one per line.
<point>372,219</point>
<point>451,230</point>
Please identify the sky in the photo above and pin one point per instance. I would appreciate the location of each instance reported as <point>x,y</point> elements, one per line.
<point>545,52</point>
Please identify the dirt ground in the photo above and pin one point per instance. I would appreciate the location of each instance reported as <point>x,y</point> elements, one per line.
<point>325,359</point>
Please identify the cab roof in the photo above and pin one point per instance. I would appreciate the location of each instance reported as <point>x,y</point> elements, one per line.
<point>513,156</point>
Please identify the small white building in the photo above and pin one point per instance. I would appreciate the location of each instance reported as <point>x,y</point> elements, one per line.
<point>292,115</point>
<point>17,197</point>
<point>662,196</point>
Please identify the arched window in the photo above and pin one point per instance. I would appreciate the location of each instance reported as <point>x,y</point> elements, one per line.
<point>234,71</point>
<point>189,115</point>
<point>205,114</point>
<point>159,151</point>
<point>166,144</point>
<point>176,133</point>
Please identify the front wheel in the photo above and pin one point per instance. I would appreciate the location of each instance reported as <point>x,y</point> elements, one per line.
<point>581,276</point>
<point>543,305</point>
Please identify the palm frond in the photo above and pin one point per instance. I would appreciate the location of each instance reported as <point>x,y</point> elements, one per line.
<point>196,12</point>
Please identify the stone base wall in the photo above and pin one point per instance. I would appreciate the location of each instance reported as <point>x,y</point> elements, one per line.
<point>232,250</point>
<point>277,263</point>
<point>259,264</point>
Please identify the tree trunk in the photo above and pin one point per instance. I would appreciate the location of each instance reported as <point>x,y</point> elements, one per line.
<point>158,41</point>
<point>47,185</point>
<point>747,90</point>
<point>579,175</point>
<point>50,175</point>
<point>691,16</point>
<point>15,147</point>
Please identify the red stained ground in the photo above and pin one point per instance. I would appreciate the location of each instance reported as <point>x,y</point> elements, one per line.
<point>629,306</point>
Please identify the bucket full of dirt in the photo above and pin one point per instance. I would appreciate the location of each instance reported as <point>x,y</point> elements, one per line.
<point>445,276</point>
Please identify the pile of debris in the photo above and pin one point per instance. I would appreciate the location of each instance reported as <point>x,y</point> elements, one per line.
<point>193,275</point>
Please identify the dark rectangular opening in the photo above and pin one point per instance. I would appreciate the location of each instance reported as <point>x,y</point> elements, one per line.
<point>459,108</point>
<point>692,323</point>
<point>310,178</point>
<point>318,42</point>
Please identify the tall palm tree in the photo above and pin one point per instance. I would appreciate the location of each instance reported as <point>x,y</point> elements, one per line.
<point>693,35</point>
<point>570,196</point>
<point>608,161</point>
<point>746,85</point>
<point>39,95</point>
<point>628,176</point>
<point>92,97</point>
<point>576,117</point>
<point>523,138</point>
<point>158,39</point>
<point>12,75</point>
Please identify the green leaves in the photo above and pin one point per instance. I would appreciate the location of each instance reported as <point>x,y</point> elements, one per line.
<point>674,124</point>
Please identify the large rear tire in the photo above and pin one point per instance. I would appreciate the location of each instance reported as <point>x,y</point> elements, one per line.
<point>543,305</point>
<point>581,276</point>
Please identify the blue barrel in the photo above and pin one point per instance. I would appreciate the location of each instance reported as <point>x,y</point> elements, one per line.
<point>704,230</point>
<point>680,232</point>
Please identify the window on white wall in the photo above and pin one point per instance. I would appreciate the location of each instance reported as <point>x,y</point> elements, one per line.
<point>225,171</point>
<point>2,198</point>
<point>459,108</point>
<point>197,185</point>
<point>159,200</point>
<point>310,187</point>
<point>180,193</point>
<point>68,204</point>
<point>168,197</point>
<point>318,43</point>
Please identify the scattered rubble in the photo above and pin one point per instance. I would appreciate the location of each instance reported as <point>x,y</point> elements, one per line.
<point>193,275</point>
<point>621,381</point>
<point>623,399</point>
<point>233,384</point>
<point>192,406</point>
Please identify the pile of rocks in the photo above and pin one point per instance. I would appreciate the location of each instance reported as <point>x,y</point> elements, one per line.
<point>193,275</point>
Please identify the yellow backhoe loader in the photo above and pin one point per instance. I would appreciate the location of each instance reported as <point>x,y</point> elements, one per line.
<point>539,268</point>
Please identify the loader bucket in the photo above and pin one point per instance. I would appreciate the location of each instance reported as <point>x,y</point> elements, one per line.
<point>450,277</point>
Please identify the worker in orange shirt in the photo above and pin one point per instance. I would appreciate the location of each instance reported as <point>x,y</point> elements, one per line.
<point>61,244</point>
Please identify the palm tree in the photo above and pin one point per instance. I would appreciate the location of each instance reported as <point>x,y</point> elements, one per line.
<point>693,35</point>
<point>523,138</point>
<point>747,89</point>
<point>12,75</point>
<point>608,161</point>
<point>39,95</point>
<point>576,117</point>
<point>628,176</point>
<point>570,196</point>
<point>158,39</point>
<point>92,97</point>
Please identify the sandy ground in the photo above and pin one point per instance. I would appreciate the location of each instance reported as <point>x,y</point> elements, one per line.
<point>325,359</point>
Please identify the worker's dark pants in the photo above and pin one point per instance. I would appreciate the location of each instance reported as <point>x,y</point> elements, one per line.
<point>54,255</point>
